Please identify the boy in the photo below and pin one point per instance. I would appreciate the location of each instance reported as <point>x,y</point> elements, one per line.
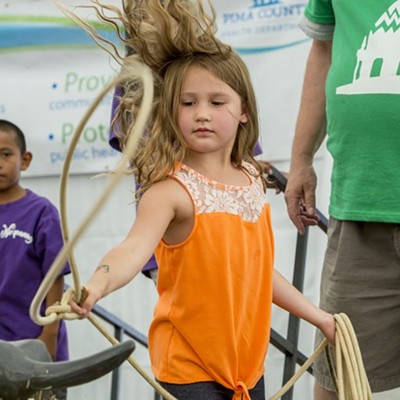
<point>30,239</point>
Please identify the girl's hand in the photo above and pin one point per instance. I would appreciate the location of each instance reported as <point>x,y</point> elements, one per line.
<point>89,297</point>
<point>328,327</point>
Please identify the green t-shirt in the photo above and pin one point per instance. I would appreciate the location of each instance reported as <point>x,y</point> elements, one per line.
<point>363,106</point>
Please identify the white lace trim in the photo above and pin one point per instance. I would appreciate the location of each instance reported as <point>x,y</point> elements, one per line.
<point>212,197</point>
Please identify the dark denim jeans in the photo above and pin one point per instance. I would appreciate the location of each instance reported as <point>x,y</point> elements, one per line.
<point>210,391</point>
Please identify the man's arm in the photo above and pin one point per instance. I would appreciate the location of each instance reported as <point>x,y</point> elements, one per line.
<point>309,134</point>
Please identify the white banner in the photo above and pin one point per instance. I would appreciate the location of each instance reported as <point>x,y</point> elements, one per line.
<point>51,71</point>
<point>266,34</point>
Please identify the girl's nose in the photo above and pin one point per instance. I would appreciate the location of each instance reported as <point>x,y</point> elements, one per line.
<point>203,114</point>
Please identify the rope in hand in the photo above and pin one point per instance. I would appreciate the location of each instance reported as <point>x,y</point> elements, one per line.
<point>350,379</point>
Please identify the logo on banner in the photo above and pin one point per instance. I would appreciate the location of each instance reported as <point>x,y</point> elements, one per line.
<point>261,3</point>
<point>259,26</point>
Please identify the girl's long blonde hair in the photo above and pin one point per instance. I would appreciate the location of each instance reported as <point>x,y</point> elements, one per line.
<point>170,36</point>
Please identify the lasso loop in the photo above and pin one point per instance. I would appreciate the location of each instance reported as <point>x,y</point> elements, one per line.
<point>67,251</point>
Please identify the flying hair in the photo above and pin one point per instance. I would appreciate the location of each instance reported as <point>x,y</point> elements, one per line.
<point>169,36</point>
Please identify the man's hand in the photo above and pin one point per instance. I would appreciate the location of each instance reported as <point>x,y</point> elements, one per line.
<point>300,197</point>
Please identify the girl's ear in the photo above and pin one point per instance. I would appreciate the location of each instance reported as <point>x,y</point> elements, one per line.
<point>26,160</point>
<point>244,116</point>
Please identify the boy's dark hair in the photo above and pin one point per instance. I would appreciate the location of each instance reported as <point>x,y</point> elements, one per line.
<point>9,127</point>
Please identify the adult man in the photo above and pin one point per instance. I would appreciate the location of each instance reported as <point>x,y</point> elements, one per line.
<point>351,91</point>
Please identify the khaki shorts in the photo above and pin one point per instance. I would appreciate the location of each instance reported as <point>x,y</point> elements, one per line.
<point>361,277</point>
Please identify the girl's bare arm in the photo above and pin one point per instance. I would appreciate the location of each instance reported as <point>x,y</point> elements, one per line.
<point>286,296</point>
<point>156,210</point>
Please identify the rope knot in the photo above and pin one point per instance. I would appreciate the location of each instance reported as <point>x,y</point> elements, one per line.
<point>61,310</point>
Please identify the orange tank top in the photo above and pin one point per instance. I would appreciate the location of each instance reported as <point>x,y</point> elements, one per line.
<point>212,320</point>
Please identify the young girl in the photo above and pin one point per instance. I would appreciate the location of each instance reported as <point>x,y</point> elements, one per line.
<point>202,210</point>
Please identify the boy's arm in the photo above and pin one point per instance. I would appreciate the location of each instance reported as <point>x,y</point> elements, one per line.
<point>49,333</point>
<point>156,210</point>
<point>286,296</point>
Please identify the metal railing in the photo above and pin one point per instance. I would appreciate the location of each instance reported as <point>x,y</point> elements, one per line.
<point>287,345</point>
<point>121,330</point>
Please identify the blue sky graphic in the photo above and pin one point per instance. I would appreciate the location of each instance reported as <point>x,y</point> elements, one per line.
<point>15,35</point>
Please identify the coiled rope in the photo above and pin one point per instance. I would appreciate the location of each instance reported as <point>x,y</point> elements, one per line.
<point>349,377</point>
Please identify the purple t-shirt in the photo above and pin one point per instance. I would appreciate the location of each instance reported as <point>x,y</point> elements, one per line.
<point>30,240</point>
<point>114,143</point>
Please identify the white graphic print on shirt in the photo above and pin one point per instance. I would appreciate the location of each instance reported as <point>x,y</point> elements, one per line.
<point>378,60</point>
<point>11,231</point>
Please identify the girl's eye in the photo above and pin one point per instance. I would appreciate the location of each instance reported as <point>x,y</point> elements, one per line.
<point>218,103</point>
<point>187,103</point>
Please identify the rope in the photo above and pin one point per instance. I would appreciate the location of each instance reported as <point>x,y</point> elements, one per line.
<point>66,252</point>
<point>290,383</point>
<point>156,386</point>
<point>350,378</point>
